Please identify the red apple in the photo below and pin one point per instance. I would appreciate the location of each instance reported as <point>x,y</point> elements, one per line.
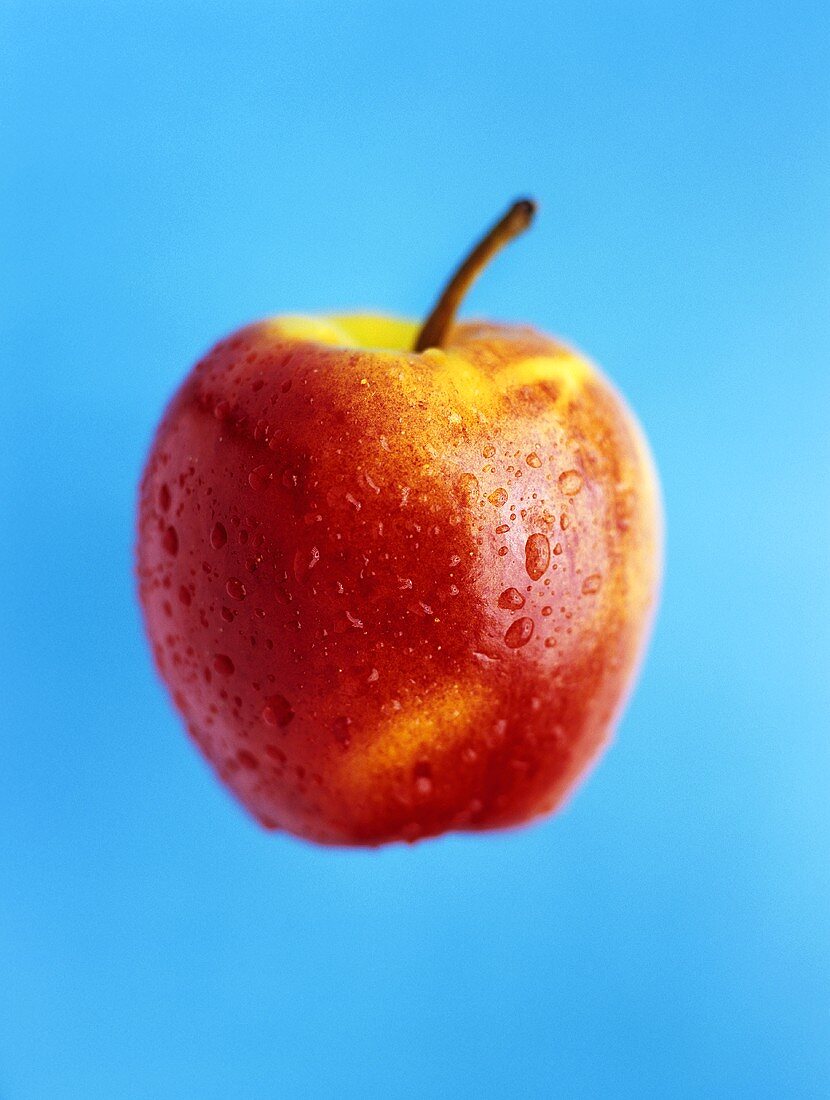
<point>396,592</point>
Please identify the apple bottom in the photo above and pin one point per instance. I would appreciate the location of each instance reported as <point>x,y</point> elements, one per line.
<point>361,767</point>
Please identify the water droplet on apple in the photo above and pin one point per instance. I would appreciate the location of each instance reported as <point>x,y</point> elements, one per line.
<point>570,482</point>
<point>534,461</point>
<point>164,497</point>
<point>546,610</point>
<point>247,759</point>
<point>373,485</point>
<point>511,600</point>
<point>518,633</point>
<point>537,556</point>
<point>304,562</point>
<point>221,410</point>
<point>218,536</point>
<point>236,589</point>
<point>277,711</point>
<point>498,498</point>
<point>469,488</point>
<point>259,477</point>
<point>170,541</point>
<point>345,621</point>
<point>591,584</point>
<point>502,528</point>
<point>223,664</point>
<point>558,548</point>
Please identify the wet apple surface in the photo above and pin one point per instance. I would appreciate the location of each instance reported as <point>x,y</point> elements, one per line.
<point>393,592</point>
<point>396,593</point>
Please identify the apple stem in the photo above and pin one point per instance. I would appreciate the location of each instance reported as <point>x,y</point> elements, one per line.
<point>435,329</point>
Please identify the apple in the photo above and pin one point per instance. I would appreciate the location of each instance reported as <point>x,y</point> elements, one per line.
<point>398,579</point>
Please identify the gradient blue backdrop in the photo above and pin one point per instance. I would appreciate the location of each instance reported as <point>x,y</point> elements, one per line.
<point>171,171</point>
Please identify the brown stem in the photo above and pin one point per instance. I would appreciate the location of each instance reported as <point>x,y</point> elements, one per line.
<point>436,327</point>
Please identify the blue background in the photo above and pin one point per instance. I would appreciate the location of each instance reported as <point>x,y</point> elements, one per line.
<point>171,171</point>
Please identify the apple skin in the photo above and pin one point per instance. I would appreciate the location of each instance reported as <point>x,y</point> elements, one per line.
<point>396,594</point>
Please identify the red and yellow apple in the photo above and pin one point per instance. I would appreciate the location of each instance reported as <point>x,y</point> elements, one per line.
<point>397,592</point>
